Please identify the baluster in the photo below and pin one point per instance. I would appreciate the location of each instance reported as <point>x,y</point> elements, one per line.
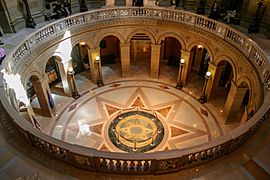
<point>139,165</point>
<point>125,166</point>
<point>132,166</point>
<point>111,165</point>
<point>146,166</point>
<point>118,165</point>
<point>104,164</point>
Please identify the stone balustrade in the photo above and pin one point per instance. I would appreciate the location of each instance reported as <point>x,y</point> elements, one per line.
<point>149,163</point>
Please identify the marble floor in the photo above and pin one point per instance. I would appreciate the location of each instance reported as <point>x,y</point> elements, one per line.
<point>18,160</point>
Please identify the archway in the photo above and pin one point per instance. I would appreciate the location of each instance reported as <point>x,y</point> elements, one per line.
<point>110,57</point>
<point>199,58</point>
<point>170,56</point>
<point>222,83</point>
<point>53,74</point>
<point>140,54</point>
<point>79,55</point>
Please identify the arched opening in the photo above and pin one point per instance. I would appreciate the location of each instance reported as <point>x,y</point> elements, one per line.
<point>140,55</point>
<point>80,64</point>
<point>199,58</point>
<point>80,61</point>
<point>222,84</point>
<point>110,57</point>
<point>53,73</point>
<point>170,56</point>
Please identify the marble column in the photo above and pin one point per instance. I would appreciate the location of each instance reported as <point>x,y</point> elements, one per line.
<point>109,3</point>
<point>186,67</point>
<point>63,70</point>
<point>125,59</point>
<point>233,103</point>
<point>214,82</point>
<point>128,3</point>
<point>155,60</point>
<point>42,90</point>
<point>92,54</point>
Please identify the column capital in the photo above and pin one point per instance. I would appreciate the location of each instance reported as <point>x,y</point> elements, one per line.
<point>185,52</point>
<point>156,45</point>
<point>124,44</point>
<point>94,50</point>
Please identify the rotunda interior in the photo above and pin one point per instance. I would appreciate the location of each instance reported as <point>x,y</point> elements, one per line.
<point>136,90</point>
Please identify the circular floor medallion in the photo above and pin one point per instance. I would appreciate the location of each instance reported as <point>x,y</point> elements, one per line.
<point>136,131</point>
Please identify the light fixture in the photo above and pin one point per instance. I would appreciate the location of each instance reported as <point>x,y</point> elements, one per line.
<point>70,69</point>
<point>182,61</point>
<point>82,43</point>
<point>97,58</point>
<point>208,74</point>
<point>199,46</point>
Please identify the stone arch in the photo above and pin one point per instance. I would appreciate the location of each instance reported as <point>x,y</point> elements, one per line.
<point>78,39</point>
<point>230,61</point>
<point>34,73</point>
<point>174,35</point>
<point>145,31</point>
<point>56,54</point>
<point>207,47</point>
<point>116,34</point>
<point>245,80</point>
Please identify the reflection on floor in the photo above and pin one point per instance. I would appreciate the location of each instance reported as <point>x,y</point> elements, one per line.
<point>86,120</point>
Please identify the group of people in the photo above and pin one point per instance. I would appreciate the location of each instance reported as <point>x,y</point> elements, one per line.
<point>62,9</point>
<point>215,13</point>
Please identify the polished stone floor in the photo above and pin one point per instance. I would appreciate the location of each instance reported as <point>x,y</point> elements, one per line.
<point>18,160</point>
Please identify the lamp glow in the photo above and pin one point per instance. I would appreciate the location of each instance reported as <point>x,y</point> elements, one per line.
<point>70,69</point>
<point>182,61</point>
<point>208,74</point>
<point>97,58</point>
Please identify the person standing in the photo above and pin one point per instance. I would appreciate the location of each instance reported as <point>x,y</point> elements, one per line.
<point>214,14</point>
<point>67,6</point>
<point>1,34</point>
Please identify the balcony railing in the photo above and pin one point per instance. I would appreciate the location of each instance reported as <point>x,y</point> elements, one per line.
<point>149,163</point>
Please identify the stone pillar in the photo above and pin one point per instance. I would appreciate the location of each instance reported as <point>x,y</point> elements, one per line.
<point>198,59</point>
<point>149,3</point>
<point>92,54</point>
<point>32,117</point>
<point>233,103</point>
<point>128,3</point>
<point>63,69</point>
<point>214,81</point>
<point>42,91</point>
<point>186,67</point>
<point>109,3</point>
<point>125,59</point>
<point>155,60</point>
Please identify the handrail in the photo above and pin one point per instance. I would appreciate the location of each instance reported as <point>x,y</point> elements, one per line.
<point>149,163</point>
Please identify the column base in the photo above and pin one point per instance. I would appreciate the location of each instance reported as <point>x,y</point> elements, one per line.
<point>203,99</point>
<point>179,85</point>
<point>30,23</point>
<point>100,83</point>
<point>75,95</point>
